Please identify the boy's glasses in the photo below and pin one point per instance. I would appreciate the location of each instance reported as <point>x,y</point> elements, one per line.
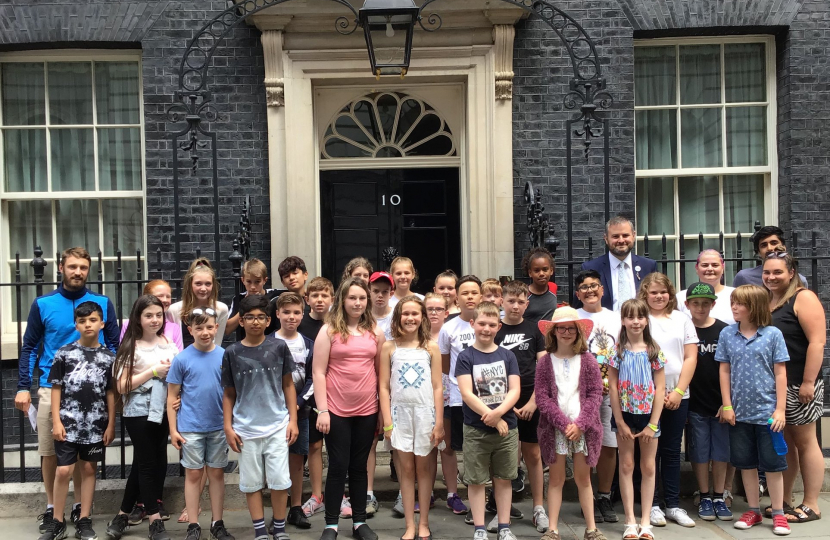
<point>204,311</point>
<point>252,318</point>
<point>566,329</point>
<point>586,288</point>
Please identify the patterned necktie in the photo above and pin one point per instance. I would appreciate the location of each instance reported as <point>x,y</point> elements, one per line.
<point>623,284</point>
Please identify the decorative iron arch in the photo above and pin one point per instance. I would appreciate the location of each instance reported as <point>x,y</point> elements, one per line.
<point>193,101</point>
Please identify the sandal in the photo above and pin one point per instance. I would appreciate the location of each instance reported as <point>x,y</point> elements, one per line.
<point>809,514</point>
<point>646,533</point>
<point>183,517</point>
<point>788,510</point>
<point>632,532</point>
<point>428,537</point>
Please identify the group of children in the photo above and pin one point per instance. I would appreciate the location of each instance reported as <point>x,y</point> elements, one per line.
<point>495,371</point>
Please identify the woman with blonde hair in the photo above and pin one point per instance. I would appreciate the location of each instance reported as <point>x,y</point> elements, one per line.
<point>200,289</point>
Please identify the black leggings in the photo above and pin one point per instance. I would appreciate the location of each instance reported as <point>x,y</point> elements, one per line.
<point>348,443</point>
<point>146,481</point>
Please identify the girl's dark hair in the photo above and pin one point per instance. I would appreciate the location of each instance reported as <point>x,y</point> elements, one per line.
<point>536,253</point>
<point>423,331</point>
<point>125,357</point>
<point>636,308</point>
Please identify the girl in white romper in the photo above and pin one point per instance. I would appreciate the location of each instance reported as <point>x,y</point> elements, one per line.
<point>412,402</point>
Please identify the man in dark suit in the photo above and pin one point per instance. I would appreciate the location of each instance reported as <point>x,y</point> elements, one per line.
<point>621,270</point>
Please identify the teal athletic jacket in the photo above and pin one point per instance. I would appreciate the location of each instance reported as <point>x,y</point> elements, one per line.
<point>51,325</point>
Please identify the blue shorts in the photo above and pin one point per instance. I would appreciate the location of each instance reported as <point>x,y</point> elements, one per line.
<point>204,448</point>
<point>708,439</point>
<point>300,446</point>
<point>751,447</point>
<point>635,422</point>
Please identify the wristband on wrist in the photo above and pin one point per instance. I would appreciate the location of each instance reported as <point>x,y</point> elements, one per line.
<point>679,391</point>
<point>726,408</point>
<point>389,427</point>
<point>321,412</point>
<point>653,428</point>
<point>155,373</point>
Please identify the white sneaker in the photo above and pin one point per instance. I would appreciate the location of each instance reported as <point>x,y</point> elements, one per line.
<point>540,519</point>
<point>493,526</point>
<point>679,516</point>
<point>480,535</point>
<point>506,534</point>
<point>657,517</point>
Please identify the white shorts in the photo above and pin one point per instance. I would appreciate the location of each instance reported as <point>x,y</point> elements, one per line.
<point>413,426</point>
<point>609,438</point>
<point>266,457</point>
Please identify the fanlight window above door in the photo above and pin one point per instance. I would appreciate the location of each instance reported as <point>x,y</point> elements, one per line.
<point>387,125</point>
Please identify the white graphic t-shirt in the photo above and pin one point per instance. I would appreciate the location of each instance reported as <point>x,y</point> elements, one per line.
<point>456,335</point>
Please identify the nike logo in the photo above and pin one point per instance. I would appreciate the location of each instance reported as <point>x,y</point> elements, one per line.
<point>510,346</point>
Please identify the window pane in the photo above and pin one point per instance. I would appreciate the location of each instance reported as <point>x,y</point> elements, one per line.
<point>746,136</point>
<point>747,256</point>
<point>700,137</point>
<point>129,291</point>
<point>655,206</point>
<point>119,159</point>
<point>745,72</point>
<point>743,203</point>
<point>73,160</point>
<point>699,204</point>
<point>656,139</point>
<point>655,76</point>
<point>70,95</point>
<point>660,253</point>
<point>30,224</point>
<point>123,226</point>
<point>24,155</point>
<point>77,224</point>
<point>116,92</point>
<point>24,101</point>
<point>700,74</point>
<point>691,249</point>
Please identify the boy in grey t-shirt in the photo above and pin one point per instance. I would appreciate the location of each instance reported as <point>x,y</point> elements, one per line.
<point>260,413</point>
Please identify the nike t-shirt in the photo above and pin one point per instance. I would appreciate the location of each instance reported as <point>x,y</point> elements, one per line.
<point>525,340</point>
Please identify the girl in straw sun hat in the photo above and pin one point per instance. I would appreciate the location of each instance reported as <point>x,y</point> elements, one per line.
<point>568,395</point>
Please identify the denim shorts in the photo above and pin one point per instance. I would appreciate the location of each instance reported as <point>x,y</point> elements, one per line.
<point>708,439</point>
<point>264,457</point>
<point>204,448</point>
<point>300,446</point>
<point>635,422</point>
<point>750,447</point>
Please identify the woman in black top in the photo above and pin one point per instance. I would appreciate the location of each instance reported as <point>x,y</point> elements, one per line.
<point>798,313</point>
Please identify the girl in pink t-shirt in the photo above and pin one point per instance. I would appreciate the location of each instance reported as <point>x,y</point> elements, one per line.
<point>346,360</point>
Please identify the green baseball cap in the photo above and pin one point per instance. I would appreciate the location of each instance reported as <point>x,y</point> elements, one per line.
<point>701,290</point>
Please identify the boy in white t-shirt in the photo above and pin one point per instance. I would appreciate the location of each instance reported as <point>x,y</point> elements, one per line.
<point>381,288</point>
<point>603,339</point>
<point>457,335</point>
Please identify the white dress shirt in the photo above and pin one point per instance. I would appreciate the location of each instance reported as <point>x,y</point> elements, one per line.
<point>615,268</point>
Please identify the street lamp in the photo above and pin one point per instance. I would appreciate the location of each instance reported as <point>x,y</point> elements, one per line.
<point>388,26</point>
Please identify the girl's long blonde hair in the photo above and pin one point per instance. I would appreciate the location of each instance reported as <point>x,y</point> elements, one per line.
<point>200,265</point>
<point>780,254</point>
<point>337,318</point>
<point>636,308</point>
<point>404,260</point>
<point>424,331</point>
<point>659,279</point>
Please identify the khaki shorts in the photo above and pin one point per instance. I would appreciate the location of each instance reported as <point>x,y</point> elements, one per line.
<point>484,451</point>
<point>45,442</point>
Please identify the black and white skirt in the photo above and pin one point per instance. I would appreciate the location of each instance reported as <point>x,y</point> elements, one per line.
<point>800,414</point>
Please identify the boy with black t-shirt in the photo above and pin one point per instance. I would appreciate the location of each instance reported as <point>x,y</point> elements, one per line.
<point>319,296</point>
<point>488,379</point>
<point>83,416</point>
<point>254,277</point>
<point>708,436</point>
<point>528,344</point>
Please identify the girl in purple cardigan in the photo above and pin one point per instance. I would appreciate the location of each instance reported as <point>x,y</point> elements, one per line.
<point>568,395</point>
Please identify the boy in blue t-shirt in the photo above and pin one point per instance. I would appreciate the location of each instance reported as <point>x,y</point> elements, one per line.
<point>489,382</point>
<point>197,428</point>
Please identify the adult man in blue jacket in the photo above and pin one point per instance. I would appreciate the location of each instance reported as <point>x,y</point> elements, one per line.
<point>50,326</point>
<point>620,270</point>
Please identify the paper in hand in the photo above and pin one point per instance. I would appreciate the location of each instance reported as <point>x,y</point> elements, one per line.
<point>32,412</point>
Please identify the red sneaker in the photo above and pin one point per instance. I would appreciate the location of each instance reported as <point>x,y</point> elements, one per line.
<point>780,526</point>
<point>750,519</point>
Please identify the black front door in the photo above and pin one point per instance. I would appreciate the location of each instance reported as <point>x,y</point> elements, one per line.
<point>415,211</point>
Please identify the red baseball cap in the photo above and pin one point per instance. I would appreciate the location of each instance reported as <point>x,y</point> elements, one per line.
<point>382,275</point>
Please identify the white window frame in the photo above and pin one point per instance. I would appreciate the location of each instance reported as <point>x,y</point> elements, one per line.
<point>7,259</point>
<point>770,171</point>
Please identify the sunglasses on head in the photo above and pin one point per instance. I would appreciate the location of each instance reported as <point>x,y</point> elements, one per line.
<point>204,311</point>
<point>777,255</point>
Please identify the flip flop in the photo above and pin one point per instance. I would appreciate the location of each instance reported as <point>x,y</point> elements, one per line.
<point>809,514</point>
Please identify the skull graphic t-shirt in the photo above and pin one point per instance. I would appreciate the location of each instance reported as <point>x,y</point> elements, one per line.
<point>490,373</point>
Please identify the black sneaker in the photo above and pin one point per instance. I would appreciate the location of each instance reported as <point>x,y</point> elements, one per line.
<point>219,532</point>
<point>44,519</point>
<point>606,508</point>
<point>329,534</point>
<point>468,519</point>
<point>75,514</point>
<point>163,513</point>
<point>194,532</point>
<point>157,531</point>
<point>296,517</point>
<point>55,530</point>
<point>137,515</point>
<point>490,507</point>
<point>364,532</point>
<point>518,483</point>
<point>116,527</point>
<point>83,529</point>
